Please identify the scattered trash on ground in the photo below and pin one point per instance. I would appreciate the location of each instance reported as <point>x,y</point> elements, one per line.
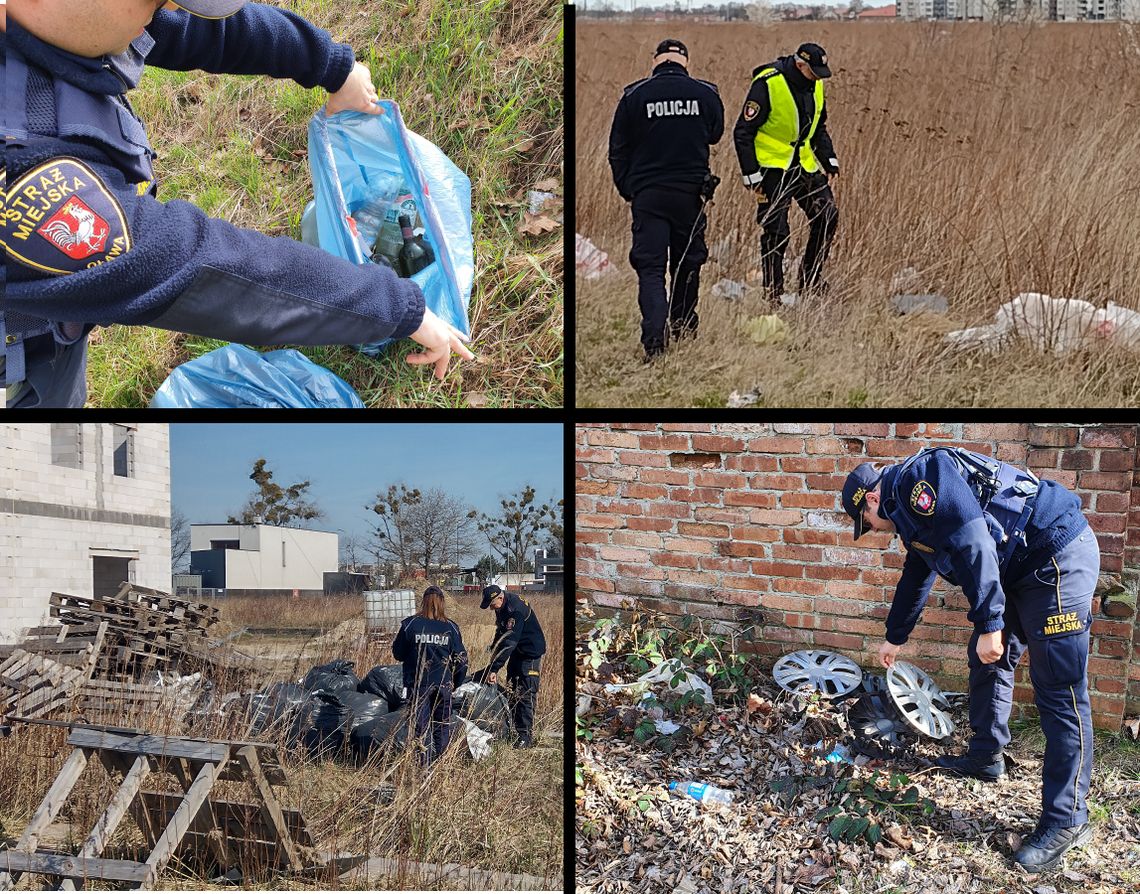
<point>766,330</point>
<point>590,262</point>
<point>909,304</point>
<point>740,399</point>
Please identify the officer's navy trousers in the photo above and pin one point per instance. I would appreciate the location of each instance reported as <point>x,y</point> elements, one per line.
<point>433,721</point>
<point>1048,613</point>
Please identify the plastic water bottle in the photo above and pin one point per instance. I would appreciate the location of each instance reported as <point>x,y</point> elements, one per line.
<point>702,791</point>
<point>370,214</point>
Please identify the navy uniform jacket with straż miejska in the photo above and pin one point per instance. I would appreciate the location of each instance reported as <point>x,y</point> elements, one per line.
<point>88,241</point>
<point>517,632</point>
<point>945,532</point>
<point>432,653</point>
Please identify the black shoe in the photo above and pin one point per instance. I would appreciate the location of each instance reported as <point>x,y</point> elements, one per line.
<point>985,767</point>
<point>652,354</point>
<point>523,743</point>
<point>1044,848</point>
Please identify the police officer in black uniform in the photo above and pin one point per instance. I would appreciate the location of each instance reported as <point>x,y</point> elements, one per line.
<point>435,662</point>
<point>785,153</point>
<point>659,153</point>
<point>1027,561</point>
<point>520,645</point>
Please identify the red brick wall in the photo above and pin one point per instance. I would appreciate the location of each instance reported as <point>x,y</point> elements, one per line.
<point>741,522</point>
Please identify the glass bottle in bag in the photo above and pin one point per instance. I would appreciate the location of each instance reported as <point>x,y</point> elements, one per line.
<point>415,254</point>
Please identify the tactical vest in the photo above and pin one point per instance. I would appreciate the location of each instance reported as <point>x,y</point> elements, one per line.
<point>38,104</point>
<point>777,138</point>
<point>1004,493</point>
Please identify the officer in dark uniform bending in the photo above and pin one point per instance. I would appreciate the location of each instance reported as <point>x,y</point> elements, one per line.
<point>435,662</point>
<point>659,153</point>
<point>1028,562</point>
<point>785,153</point>
<point>87,241</point>
<point>520,645</point>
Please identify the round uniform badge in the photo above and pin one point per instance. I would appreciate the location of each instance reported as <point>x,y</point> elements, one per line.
<point>922,498</point>
<point>751,110</point>
<point>61,218</point>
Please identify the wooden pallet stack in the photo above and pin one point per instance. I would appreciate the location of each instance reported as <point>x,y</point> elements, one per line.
<point>46,673</point>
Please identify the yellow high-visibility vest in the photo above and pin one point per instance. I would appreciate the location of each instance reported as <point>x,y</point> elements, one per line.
<point>776,138</point>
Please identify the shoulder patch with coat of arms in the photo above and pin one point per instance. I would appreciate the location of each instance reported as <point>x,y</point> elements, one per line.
<point>751,110</point>
<point>923,498</point>
<point>60,217</point>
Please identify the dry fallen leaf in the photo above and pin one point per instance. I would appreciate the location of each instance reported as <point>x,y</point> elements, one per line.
<point>476,399</point>
<point>537,224</point>
<point>548,185</point>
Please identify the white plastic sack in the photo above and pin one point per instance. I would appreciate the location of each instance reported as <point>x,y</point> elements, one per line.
<point>590,262</point>
<point>664,673</point>
<point>478,742</point>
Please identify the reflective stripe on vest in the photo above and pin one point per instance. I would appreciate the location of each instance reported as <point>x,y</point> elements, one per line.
<point>776,138</point>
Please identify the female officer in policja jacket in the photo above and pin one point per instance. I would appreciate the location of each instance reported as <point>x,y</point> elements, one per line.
<point>431,648</point>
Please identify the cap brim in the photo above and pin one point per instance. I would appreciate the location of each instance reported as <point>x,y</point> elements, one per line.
<point>211,9</point>
<point>821,71</point>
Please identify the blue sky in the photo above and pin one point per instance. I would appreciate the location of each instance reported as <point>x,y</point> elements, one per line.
<point>348,463</point>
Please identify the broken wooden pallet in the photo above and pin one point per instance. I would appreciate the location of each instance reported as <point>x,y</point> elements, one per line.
<point>179,824</point>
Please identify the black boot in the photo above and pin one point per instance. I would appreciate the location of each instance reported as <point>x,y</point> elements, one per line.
<point>1044,848</point>
<point>986,767</point>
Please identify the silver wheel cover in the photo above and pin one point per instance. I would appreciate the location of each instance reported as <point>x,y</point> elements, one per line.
<point>919,700</point>
<point>815,670</point>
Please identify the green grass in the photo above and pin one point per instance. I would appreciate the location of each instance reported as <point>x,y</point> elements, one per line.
<point>483,81</point>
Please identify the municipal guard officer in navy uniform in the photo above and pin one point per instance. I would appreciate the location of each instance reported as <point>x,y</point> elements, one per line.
<point>88,242</point>
<point>1027,561</point>
<point>785,153</point>
<point>520,645</point>
<point>435,662</point>
<point>659,154</point>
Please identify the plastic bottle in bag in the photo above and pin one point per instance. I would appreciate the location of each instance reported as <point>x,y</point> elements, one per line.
<point>702,791</point>
<point>371,213</point>
<point>390,239</point>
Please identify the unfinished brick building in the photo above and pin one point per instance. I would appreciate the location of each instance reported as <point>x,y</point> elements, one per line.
<point>741,523</point>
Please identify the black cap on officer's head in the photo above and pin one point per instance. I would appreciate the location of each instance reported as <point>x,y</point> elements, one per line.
<point>671,46</point>
<point>813,54</point>
<point>862,479</point>
<point>211,9</point>
<point>489,593</point>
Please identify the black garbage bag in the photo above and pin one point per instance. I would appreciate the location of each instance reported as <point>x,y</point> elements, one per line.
<point>330,719</point>
<point>389,732</point>
<point>386,681</point>
<point>274,707</point>
<point>363,707</point>
<point>332,677</point>
<point>485,706</point>
<point>386,731</point>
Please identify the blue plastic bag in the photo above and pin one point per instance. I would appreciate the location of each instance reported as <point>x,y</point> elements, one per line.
<point>349,151</point>
<point>236,376</point>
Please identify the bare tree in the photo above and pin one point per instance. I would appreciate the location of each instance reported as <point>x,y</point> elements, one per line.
<point>440,526</point>
<point>555,535</point>
<point>274,505</point>
<point>351,549</point>
<point>512,533</point>
<point>390,536</point>
<point>179,540</point>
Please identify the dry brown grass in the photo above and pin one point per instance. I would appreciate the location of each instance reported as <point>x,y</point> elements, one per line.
<point>993,159</point>
<point>503,814</point>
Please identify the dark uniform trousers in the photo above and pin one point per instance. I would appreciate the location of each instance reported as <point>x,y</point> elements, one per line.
<point>1040,610</point>
<point>433,709</point>
<point>663,223</point>
<point>813,194</point>
<point>522,678</point>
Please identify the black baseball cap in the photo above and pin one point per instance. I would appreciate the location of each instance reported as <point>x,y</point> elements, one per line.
<point>210,9</point>
<point>815,56</point>
<point>862,479</point>
<point>490,593</point>
<point>672,46</point>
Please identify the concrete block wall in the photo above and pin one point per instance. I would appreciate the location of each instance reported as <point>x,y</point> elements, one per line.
<point>740,523</point>
<point>52,516</point>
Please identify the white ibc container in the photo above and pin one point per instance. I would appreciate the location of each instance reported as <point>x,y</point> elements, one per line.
<point>385,609</point>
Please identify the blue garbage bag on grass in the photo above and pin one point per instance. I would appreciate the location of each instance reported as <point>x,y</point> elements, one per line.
<point>350,153</point>
<point>236,376</point>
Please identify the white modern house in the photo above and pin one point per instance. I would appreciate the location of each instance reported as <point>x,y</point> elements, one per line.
<point>246,558</point>
<point>84,506</point>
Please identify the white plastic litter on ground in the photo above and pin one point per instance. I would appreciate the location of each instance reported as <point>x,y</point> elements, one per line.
<point>590,262</point>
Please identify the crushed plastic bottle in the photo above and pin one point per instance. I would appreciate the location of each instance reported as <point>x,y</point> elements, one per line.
<point>702,791</point>
<point>370,214</point>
